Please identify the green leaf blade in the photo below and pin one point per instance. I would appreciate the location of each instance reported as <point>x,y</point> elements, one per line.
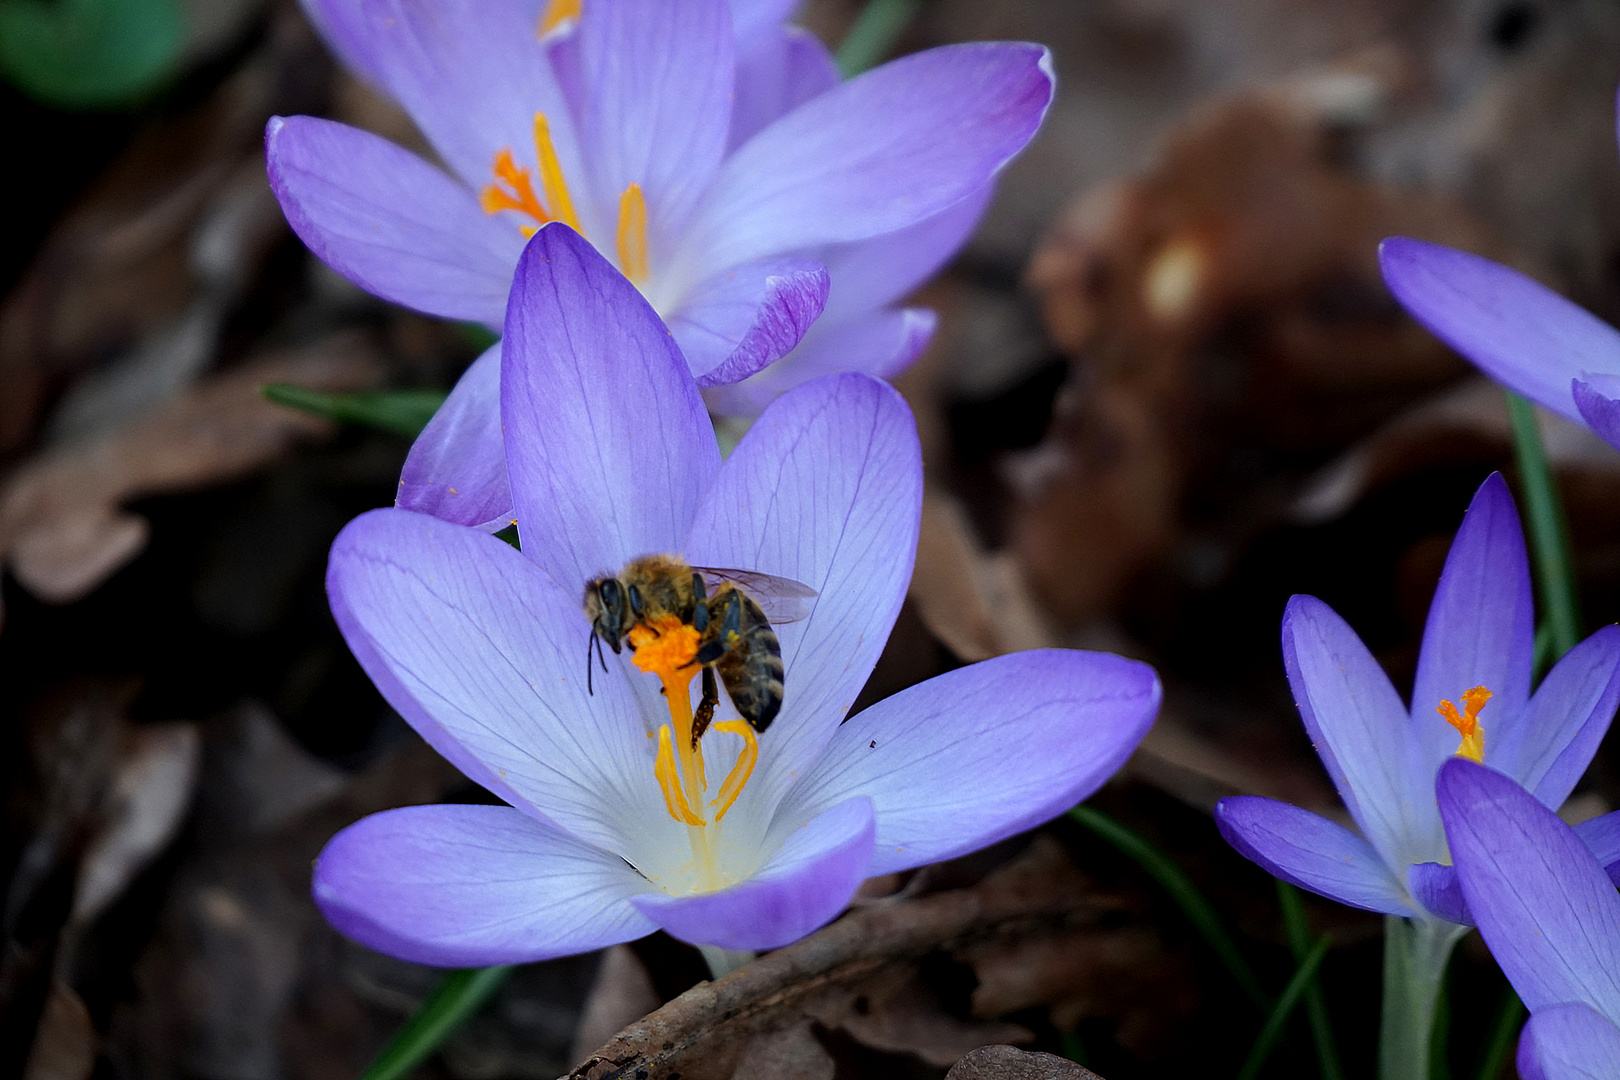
<point>452,1003</point>
<point>89,54</point>
<point>403,412</point>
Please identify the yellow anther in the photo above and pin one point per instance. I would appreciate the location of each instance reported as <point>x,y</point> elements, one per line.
<point>669,781</point>
<point>551,174</point>
<point>633,234</point>
<point>558,12</point>
<point>741,771</point>
<point>667,647</point>
<point>1467,722</point>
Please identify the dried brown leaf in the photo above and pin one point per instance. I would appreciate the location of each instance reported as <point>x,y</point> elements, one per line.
<point>151,789</point>
<point>62,526</point>
<point>1010,1063</point>
<point>1225,302</point>
<point>860,975</point>
<point>899,1014</point>
<point>182,217</point>
<point>65,1042</point>
<point>789,1053</point>
<point>621,993</point>
<point>975,603</point>
<point>1119,970</point>
<point>1466,423</point>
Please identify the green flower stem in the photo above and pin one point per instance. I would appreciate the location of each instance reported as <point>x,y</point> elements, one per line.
<point>1415,956</point>
<point>453,1002</point>
<point>1198,910</point>
<point>1316,1011</point>
<point>1266,1041</point>
<point>1541,657</point>
<point>873,35</point>
<point>1509,1018</point>
<point>1074,1048</point>
<point>723,962</point>
<point>1549,534</point>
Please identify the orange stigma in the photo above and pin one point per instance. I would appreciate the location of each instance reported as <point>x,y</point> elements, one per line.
<point>667,647</point>
<point>519,193</point>
<point>1467,722</point>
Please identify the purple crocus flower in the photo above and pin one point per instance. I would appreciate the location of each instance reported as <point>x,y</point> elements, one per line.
<point>729,215</point>
<point>1472,696</point>
<point>716,161</point>
<point>1549,914</point>
<point>480,647</point>
<point>1516,330</point>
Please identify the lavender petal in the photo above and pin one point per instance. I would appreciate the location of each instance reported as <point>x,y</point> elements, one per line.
<point>1308,850</point>
<point>608,445</point>
<point>456,470</point>
<point>984,752</point>
<point>470,886</point>
<point>805,883</point>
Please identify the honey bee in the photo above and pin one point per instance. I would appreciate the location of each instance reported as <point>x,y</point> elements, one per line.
<point>732,611</point>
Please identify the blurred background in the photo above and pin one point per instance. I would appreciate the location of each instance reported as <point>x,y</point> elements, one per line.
<point>1168,391</point>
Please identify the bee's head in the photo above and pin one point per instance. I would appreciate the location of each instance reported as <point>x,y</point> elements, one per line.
<point>605,606</point>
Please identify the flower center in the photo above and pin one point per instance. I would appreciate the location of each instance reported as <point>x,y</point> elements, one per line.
<point>668,647</point>
<point>514,190</point>
<point>1467,722</point>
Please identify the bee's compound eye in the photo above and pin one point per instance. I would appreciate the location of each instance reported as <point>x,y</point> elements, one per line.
<point>635,601</point>
<point>609,592</point>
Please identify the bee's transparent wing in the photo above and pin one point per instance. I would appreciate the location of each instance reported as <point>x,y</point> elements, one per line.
<point>783,600</point>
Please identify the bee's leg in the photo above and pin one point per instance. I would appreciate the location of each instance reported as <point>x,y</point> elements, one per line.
<point>591,641</point>
<point>715,642</point>
<point>601,658</point>
<point>706,706</point>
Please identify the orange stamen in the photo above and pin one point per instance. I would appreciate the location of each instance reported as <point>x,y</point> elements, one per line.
<point>633,234</point>
<point>669,781</point>
<point>741,771</point>
<point>551,174</point>
<point>557,13</point>
<point>1467,722</point>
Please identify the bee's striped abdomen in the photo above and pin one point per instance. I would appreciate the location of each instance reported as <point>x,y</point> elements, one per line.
<point>751,667</point>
